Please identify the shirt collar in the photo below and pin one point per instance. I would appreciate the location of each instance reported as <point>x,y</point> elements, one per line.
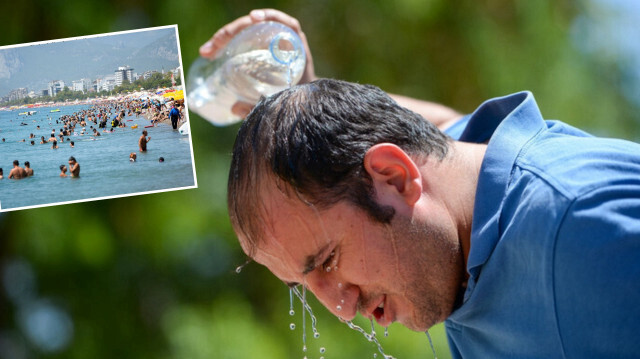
<point>507,123</point>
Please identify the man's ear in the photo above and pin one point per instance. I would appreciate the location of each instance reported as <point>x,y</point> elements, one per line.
<point>395,175</point>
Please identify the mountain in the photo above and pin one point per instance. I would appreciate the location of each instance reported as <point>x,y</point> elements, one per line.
<point>35,65</point>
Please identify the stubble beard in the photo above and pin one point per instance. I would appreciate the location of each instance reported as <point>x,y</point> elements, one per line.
<point>431,263</point>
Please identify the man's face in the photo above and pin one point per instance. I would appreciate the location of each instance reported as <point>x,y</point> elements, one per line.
<point>409,271</point>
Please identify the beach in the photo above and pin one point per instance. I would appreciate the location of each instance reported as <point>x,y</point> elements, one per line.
<point>100,146</point>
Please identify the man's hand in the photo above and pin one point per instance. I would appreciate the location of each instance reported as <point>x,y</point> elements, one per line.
<point>221,38</point>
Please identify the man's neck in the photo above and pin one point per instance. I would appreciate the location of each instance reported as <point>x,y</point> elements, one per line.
<point>454,181</point>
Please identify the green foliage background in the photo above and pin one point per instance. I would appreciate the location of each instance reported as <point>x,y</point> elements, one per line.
<point>153,276</point>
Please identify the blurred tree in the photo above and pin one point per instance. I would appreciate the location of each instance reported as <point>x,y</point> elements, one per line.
<point>162,284</point>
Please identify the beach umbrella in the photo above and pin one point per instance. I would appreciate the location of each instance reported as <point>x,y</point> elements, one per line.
<point>177,95</point>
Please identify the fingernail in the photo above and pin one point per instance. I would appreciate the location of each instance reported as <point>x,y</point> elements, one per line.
<point>258,14</point>
<point>206,47</point>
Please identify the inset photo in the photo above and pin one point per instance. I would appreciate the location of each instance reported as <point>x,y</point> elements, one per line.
<point>93,117</point>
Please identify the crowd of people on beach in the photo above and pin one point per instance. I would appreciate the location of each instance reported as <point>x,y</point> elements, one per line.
<point>105,117</point>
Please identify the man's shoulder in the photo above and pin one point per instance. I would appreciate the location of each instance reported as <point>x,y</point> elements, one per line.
<point>575,164</point>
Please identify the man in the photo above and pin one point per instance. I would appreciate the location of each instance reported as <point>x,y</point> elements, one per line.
<point>525,247</point>
<point>17,172</point>
<point>1,174</point>
<point>63,171</point>
<point>175,116</point>
<point>143,140</point>
<point>74,167</point>
<point>545,219</point>
<point>27,168</point>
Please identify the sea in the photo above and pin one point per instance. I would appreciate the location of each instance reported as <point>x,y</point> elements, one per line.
<point>105,169</point>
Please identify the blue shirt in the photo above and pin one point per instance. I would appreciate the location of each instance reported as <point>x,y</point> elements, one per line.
<point>554,263</point>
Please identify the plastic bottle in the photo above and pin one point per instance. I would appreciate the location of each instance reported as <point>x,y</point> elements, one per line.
<point>259,61</point>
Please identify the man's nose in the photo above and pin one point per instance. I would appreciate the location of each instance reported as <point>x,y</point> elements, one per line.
<point>337,295</point>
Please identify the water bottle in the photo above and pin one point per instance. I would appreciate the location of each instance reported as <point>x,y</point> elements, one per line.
<point>259,61</point>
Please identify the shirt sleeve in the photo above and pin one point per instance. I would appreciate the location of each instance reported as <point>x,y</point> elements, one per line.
<point>597,273</point>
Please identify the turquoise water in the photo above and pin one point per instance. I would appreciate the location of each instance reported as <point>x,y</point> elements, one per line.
<point>105,169</point>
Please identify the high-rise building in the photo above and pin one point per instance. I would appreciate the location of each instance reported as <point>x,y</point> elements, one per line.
<point>123,73</point>
<point>81,85</point>
<point>18,94</point>
<point>108,83</point>
<point>55,87</point>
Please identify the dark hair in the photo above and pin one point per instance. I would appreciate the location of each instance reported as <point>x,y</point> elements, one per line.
<point>26,163</point>
<point>15,162</point>
<point>72,159</point>
<point>313,139</point>
<point>62,166</point>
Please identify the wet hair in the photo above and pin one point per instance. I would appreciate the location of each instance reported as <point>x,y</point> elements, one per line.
<point>62,167</point>
<point>15,162</point>
<point>26,163</point>
<point>161,159</point>
<point>72,159</point>
<point>144,132</point>
<point>0,170</point>
<point>311,141</point>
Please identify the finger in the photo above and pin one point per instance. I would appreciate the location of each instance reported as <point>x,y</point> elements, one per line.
<point>294,24</point>
<point>241,109</point>
<point>220,39</point>
<point>275,15</point>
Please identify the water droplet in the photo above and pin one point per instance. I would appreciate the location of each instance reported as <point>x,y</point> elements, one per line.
<point>292,326</point>
<point>322,350</point>
<point>238,269</point>
<point>338,307</point>
<point>386,331</point>
<point>292,312</point>
<point>339,285</point>
<point>342,301</point>
<point>316,335</point>
<point>304,325</point>
<point>375,355</point>
<point>433,349</point>
<point>335,269</point>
